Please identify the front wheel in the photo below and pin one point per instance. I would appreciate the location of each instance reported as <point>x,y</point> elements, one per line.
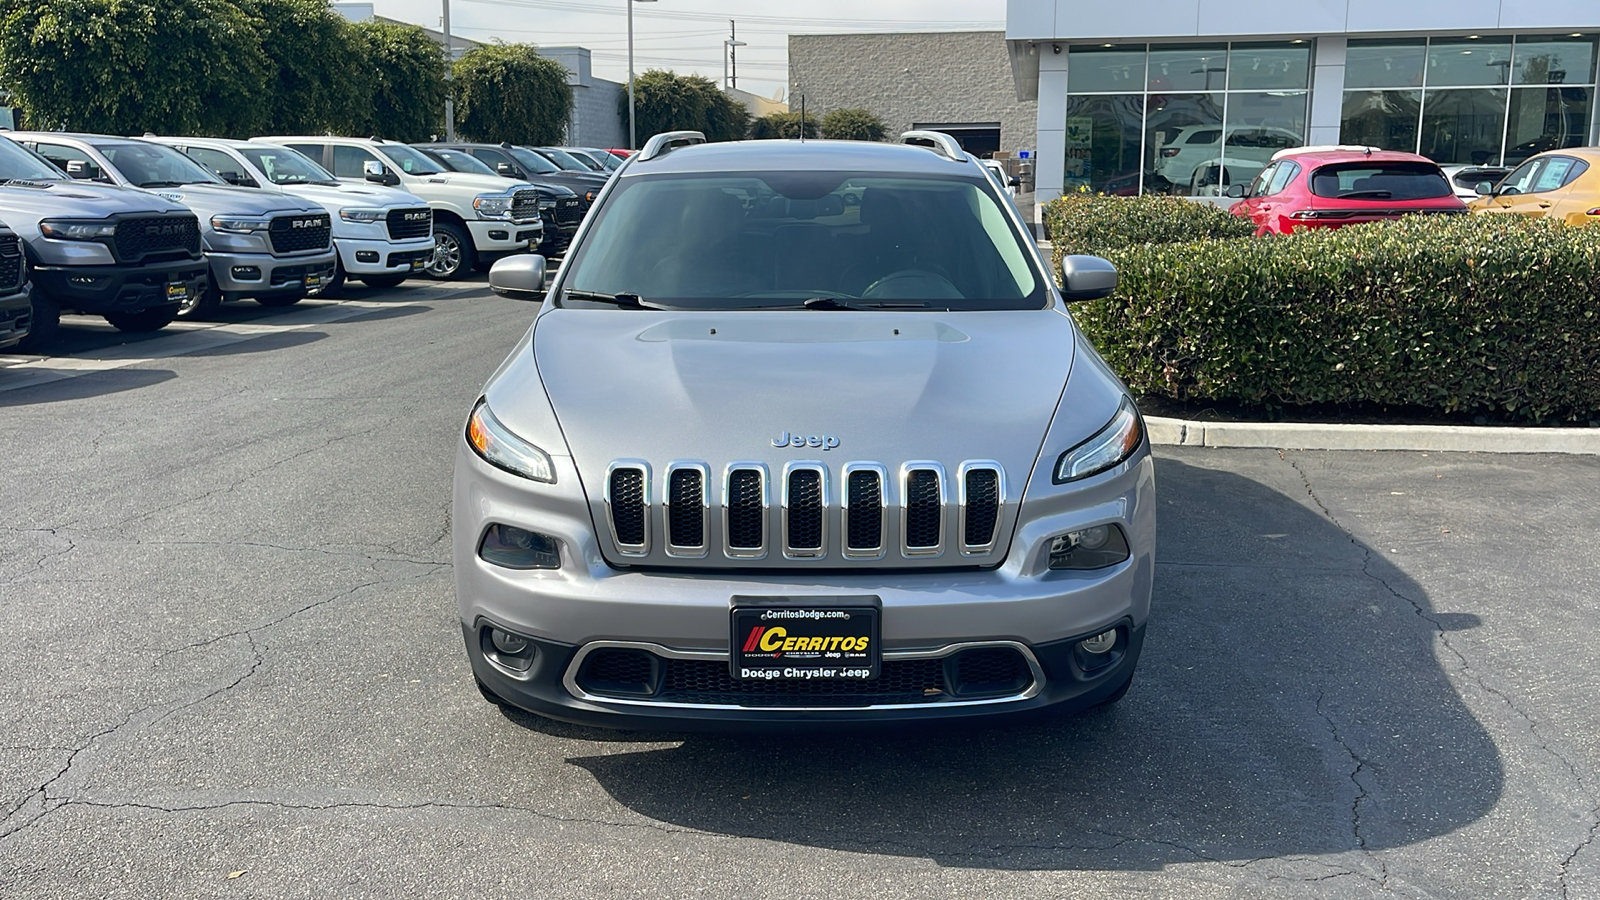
<point>454,256</point>
<point>383,281</point>
<point>152,319</point>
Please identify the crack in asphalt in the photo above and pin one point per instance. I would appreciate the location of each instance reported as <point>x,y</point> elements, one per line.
<point>1443,636</point>
<point>1361,796</point>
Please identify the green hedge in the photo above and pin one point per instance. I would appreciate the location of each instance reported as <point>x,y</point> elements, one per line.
<point>1472,314</point>
<point>1096,224</point>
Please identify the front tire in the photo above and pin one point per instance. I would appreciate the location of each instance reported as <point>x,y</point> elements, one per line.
<point>206,306</point>
<point>46,323</point>
<point>383,282</point>
<point>454,255</point>
<point>141,320</point>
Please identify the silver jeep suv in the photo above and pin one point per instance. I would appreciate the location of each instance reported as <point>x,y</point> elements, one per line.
<point>803,433</point>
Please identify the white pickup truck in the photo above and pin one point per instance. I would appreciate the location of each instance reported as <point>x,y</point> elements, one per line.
<point>383,235</point>
<point>477,219</point>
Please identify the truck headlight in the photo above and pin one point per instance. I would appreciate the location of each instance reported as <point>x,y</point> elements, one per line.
<point>1110,446</point>
<point>492,206</point>
<point>363,216</point>
<point>504,450</point>
<point>72,230</point>
<point>239,224</point>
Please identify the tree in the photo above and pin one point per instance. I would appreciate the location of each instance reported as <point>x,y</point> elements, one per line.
<point>315,81</point>
<point>508,92</point>
<point>407,70</point>
<point>130,66</point>
<point>667,101</point>
<point>782,125</point>
<point>853,125</point>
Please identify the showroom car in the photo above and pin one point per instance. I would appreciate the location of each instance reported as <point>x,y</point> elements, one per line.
<point>1562,184</point>
<point>1329,187</point>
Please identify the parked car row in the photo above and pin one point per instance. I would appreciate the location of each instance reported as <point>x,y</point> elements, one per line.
<point>146,230</point>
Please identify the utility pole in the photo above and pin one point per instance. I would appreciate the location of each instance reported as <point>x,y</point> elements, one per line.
<point>733,52</point>
<point>449,78</point>
<point>633,134</point>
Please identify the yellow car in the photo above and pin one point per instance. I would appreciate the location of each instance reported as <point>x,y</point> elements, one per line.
<point>1560,184</point>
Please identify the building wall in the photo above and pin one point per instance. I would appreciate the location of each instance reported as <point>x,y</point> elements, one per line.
<point>913,78</point>
<point>594,121</point>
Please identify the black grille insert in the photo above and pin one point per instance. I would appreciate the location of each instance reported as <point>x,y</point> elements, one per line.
<point>709,682</point>
<point>998,671</point>
<point>569,211</point>
<point>11,275</point>
<point>805,510</point>
<point>300,232</point>
<point>686,524</point>
<point>923,509</point>
<point>983,507</point>
<point>613,670</point>
<point>746,530</point>
<point>408,224</point>
<point>866,511</point>
<point>173,236</point>
<point>627,506</point>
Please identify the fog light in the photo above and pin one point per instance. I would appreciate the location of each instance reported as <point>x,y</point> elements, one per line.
<point>367,256</point>
<point>499,236</point>
<point>518,548</point>
<point>1100,643</point>
<point>514,644</point>
<point>247,273</point>
<point>1089,548</point>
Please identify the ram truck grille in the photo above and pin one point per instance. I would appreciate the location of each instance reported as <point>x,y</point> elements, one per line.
<point>409,224</point>
<point>12,271</point>
<point>171,237</point>
<point>807,511</point>
<point>525,206</point>
<point>300,232</point>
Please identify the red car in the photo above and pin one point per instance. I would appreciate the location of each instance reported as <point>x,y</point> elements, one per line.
<point>1328,187</point>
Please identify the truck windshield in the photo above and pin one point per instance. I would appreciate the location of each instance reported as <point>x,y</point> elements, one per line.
<point>562,159</point>
<point>409,161</point>
<point>18,164</point>
<point>533,162</point>
<point>804,240</point>
<point>155,165</point>
<point>460,162</point>
<point>284,166</point>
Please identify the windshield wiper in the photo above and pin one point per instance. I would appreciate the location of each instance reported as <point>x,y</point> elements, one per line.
<point>162,184</point>
<point>832,303</point>
<point>1379,195</point>
<point>625,299</point>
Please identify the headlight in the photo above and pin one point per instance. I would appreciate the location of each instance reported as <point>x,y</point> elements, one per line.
<point>591,195</point>
<point>239,225</point>
<point>363,216</point>
<point>1110,446</point>
<point>492,206</point>
<point>1089,548</point>
<point>69,230</point>
<point>502,449</point>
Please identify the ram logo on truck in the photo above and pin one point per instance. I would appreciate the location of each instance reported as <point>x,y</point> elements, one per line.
<point>305,223</point>
<point>153,230</point>
<point>417,216</point>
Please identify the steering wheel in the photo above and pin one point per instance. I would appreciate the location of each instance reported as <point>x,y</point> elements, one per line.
<point>912,284</point>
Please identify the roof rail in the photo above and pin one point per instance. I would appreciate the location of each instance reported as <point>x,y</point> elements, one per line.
<point>669,140</point>
<point>937,141</point>
<point>1327,148</point>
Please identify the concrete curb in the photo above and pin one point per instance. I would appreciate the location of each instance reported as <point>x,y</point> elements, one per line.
<point>1305,436</point>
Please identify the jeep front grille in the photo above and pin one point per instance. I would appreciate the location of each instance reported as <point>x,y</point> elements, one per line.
<point>168,237</point>
<point>808,511</point>
<point>300,232</point>
<point>11,268</point>
<point>409,224</point>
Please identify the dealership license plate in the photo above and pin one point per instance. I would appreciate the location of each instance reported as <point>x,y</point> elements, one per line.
<point>794,642</point>
<point>177,293</point>
<point>313,282</point>
<point>417,265</point>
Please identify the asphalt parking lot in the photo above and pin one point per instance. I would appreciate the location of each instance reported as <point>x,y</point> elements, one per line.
<point>233,668</point>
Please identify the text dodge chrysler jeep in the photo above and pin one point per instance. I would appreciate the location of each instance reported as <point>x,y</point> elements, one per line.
<point>802,433</point>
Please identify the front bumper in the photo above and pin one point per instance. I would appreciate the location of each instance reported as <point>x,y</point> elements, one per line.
<point>97,290</point>
<point>501,236</point>
<point>16,313</point>
<point>360,256</point>
<point>239,275</point>
<point>924,611</point>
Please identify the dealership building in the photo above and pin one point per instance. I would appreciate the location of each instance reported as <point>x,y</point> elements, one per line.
<point>1187,96</point>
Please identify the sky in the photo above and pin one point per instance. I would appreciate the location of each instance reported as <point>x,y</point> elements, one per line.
<point>687,36</point>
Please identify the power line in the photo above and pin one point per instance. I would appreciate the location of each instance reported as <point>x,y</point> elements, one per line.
<point>611,10</point>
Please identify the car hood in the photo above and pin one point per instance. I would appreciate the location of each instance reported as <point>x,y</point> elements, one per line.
<point>77,198</point>
<point>488,184</point>
<point>227,199</point>
<point>886,387</point>
<point>340,196</point>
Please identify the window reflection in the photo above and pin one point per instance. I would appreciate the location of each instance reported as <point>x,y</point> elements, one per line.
<point>1463,126</point>
<point>1384,64</point>
<point>1543,119</point>
<point>1460,63</point>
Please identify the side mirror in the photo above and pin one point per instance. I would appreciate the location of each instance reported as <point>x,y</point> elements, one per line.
<point>1236,191</point>
<point>376,173</point>
<point>519,277</point>
<point>82,169</point>
<point>1082,278</point>
<point>1014,182</point>
<point>1484,189</point>
<point>507,170</point>
<point>237,178</point>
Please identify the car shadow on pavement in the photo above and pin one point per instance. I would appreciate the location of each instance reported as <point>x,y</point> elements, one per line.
<point>78,387</point>
<point>1289,703</point>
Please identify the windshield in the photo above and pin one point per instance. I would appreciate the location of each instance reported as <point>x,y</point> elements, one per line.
<point>461,162</point>
<point>563,160</point>
<point>533,162</point>
<point>155,165</point>
<point>17,163</point>
<point>609,160</point>
<point>584,158</point>
<point>284,166</point>
<point>780,239</point>
<point>1380,181</point>
<point>409,161</point>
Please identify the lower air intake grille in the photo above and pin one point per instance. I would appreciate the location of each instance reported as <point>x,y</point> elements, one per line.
<point>983,507</point>
<point>805,510</point>
<point>627,506</point>
<point>745,510</point>
<point>866,511</point>
<point>923,509</point>
<point>686,525</point>
<point>709,682</point>
<point>618,671</point>
<point>990,670</point>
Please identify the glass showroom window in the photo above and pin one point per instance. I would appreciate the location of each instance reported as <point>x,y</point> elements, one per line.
<point>1470,100</point>
<point>1181,118</point>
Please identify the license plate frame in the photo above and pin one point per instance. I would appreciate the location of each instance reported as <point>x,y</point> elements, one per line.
<point>312,281</point>
<point>827,639</point>
<point>418,264</point>
<point>177,292</point>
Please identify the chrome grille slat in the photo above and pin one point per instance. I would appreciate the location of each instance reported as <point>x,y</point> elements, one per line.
<point>922,528</point>
<point>744,511</point>
<point>982,496</point>
<point>805,510</point>
<point>687,509</point>
<point>627,499</point>
<point>864,511</point>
